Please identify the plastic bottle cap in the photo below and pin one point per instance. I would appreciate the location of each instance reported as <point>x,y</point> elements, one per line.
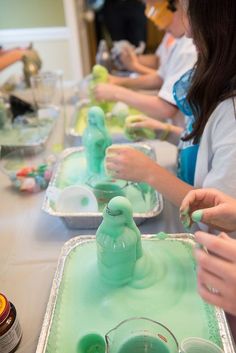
<point>4,308</point>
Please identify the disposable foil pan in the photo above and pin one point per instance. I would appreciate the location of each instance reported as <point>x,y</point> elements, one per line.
<point>93,219</point>
<point>76,138</point>
<point>30,147</point>
<point>227,341</point>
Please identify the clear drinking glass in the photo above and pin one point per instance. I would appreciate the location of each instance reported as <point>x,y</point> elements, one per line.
<point>45,87</point>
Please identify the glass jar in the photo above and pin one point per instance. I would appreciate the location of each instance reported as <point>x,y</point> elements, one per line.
<point>10,330</point>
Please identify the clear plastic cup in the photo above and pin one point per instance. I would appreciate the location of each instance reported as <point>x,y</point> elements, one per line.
<point>199,345</point>
<point>45,88</point>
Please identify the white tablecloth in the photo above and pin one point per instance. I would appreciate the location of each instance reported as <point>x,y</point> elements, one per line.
<point>30,243</point>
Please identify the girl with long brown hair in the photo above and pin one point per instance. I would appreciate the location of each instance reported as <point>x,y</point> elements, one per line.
<point>207,149</point>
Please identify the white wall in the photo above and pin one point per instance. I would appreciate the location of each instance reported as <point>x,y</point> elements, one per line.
<point>58,47</point>
<point>54,50</point>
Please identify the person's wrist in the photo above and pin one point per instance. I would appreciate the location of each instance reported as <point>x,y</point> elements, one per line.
<point>118,94</point>
<point>164,133</point>
<point>149,177</point>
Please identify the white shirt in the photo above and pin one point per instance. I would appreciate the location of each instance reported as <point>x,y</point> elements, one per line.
<point>182,57</point>
<point>216,160</point>
<point>164,49</point>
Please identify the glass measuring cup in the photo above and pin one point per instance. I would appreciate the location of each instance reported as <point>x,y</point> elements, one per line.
<point>141,335</point>
<point>135,335</point>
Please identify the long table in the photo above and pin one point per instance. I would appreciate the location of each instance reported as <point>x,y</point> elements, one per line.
<point>30,244</point>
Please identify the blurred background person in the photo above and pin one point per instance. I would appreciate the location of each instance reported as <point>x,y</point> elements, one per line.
<point>11,56</point>
<point>161,14</point>
<point>122,19</point>
<point>182,58</point>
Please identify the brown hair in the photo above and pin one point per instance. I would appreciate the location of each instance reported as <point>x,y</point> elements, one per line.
<point>213,26</point>
<point>172,5</point>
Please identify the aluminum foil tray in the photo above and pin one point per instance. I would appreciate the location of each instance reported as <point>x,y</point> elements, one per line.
<point>44,346</point>
<point>33,145</point>
<point>92,220</point>
<point>76,137</point>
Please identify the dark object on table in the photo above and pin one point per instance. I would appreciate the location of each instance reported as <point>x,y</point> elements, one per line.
<point>19,106</point>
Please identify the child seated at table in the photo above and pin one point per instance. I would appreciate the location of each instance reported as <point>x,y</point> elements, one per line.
<point>207,150</point>
<point>181,58</point>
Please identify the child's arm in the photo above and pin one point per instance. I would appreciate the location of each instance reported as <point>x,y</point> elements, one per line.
<point>130,164</point>
<point>9,57</point>
<point>150,81</point>
<point>143,64</point>
<point>164,132</point>
<point>152,106</point>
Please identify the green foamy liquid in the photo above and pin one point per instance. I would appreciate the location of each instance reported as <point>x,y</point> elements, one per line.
<point>73,172</point>
<point>25,135</point>
<point>86,304</point>
<point>143,344</point>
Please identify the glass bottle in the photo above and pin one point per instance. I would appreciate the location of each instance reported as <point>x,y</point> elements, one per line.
<point>95,140</point>
<point>10,330</point>
<point>118,243</point>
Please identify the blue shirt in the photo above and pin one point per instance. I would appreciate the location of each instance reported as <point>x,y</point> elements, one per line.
<point>187,151</point>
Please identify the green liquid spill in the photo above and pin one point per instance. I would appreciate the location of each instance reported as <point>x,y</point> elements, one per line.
<point>94,306</point>
<point>144,344</point>
<point>73,171</point>
<point>26,135</point>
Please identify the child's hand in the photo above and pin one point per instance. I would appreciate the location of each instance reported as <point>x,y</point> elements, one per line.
<point>137,122</point>
<point>129,59</point>
<point>211,207</point>
<point>105,91</point>
<point>217,270</point>
<point>138,127</point>
<point>124,162</point>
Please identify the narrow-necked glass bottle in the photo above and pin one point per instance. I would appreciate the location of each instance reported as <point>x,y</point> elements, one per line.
<point>10,330</point>
<point>118,243</point>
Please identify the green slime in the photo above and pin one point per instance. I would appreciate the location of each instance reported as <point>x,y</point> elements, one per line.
<point>118,243</point>
<point>134,134</point>
<point>95,140</point>
<point>86,304</point>
<point>73,171</point>
<point>119,285</point>
<point>99,75</point>
<point>197,216</point>
<point>26,135</point>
